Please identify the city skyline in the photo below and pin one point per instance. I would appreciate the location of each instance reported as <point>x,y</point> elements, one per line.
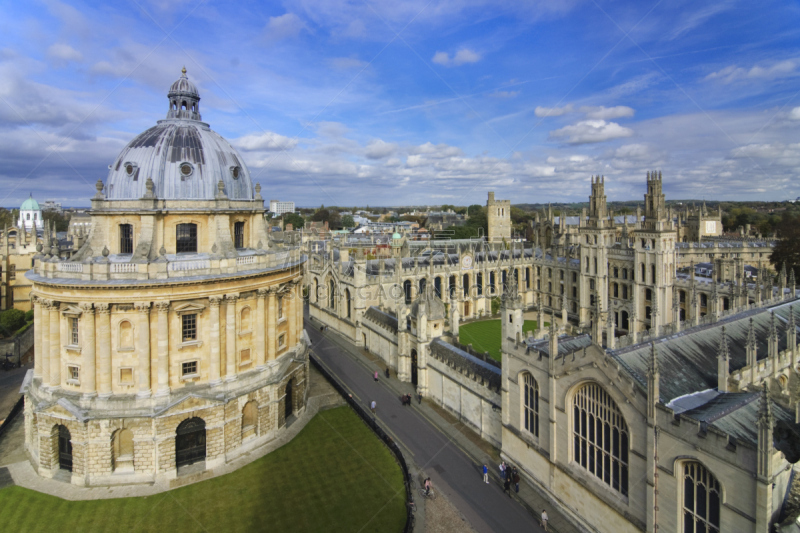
<point>341,103</point>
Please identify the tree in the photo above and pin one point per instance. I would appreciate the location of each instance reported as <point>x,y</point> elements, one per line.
<point>321,215</point>
<point>787,249</point>
<point>11,320</point>
<point>348,222</point>
<point>61,221</point>
<point>294,219</point>
<point>474,209</point>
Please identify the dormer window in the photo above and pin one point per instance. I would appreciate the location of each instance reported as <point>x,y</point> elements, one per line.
<point>186,171</point>
<point>235,171</point>
<point>130,169</point>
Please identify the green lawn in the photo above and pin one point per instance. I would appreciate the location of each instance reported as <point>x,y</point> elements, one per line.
<point>335,475</point>
<point>484,336</point>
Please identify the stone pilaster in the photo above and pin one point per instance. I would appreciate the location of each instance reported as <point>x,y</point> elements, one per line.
<point>37,340</point>
<point>43,330</point>
<point>55,345</point>
<point>163,348</point>
<point>290,301</point>
<point>103,347</point>
<point>214,351</point>
<point>89,370</point>
<point>144,349</point>
<point>261,346</point>
<point>230,336</point>
<point>272,323</point>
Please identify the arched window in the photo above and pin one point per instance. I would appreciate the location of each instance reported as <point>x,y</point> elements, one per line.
<point>249,419</point>
<point>244,320</point>
<point>437,286</point>
<point>407,291</point>
<point>701,499</point>
<point>624,273</point>
<point>465,283</point>
<point>616,290</point>
<point>347,300</point>
<point>331,295</point>
<point>530,405</point>
<point>451,290</point>
<point>600,436</point>
<point>186,238</point>
<point>125,335</point>
<point>652,273</point>
<point>125,239</point>
<point>642,277</point>
<point>648,295</point>
<point>479,283</point>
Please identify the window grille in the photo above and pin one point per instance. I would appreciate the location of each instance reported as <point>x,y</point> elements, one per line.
<point>701,500</point>
<point>125,239</point>
<point>189,368</point>
<point>189,327</point>
<point>530,415</point>
<point>74,373</point>
<point>73,323</point>
<point>186,238</point>
<point>600,436</point>
<point>238,234</point>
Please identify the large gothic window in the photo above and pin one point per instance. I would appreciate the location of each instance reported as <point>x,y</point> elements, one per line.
<point>530,405</point>
<point>600,436</point>
<point>701,500</point>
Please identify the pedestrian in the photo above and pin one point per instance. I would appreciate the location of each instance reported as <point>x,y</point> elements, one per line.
<point>376,375</point>
<point>428,487</point>
<point>373,406</point>
<point>503,469</point>
<point>387,373</point>
<point>507,486</point>
<point>419,396</point>
<point>515,479</point>
<point>485,474</point>
<point>544,519</point>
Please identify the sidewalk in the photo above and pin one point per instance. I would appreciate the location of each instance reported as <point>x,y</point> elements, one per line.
<point>470,443</point>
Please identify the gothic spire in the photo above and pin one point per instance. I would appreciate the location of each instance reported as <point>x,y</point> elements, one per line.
<point>751,335</point>
<point>723,352</point>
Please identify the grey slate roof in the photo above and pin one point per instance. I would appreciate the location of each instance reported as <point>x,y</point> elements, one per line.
<point>464,361</point>
<point>566,344</point>
<point>377,316</point>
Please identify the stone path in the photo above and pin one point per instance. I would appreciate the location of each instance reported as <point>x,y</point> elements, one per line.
<point>321,396</point>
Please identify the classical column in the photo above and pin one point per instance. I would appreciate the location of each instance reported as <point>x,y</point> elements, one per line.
<point>103,343</point>
<point>230,336</point>
<point>144,349</point>
<point>37,338</point>
<point>260,340</point>
<point>213,367</point>
<point>298,298</point>
<point>289,300</point>
<point>89,371</point>
<point>272,323</point>
<point>163,348</point>
<point>43,331</point>
<point>55,345</point>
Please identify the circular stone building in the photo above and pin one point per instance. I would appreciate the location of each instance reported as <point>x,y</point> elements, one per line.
<point>174,336</point>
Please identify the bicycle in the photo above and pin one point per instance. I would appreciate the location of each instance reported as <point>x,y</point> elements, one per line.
<point>430,495</point>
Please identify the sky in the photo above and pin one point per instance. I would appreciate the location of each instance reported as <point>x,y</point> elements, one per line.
<point>419,102</point>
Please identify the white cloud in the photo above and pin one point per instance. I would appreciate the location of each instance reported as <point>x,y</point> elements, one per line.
<point>436,151</point>
<point>552,111</point>
<point>61,54</point>
<point>465,55</point>
<point>378,149</point>
<point>267,141</point>
<point>284,26</point>
<point>633,151</point>
<point>591,131</point>
<point>732,73</point>
<point>504,94</point>
<point>347,63</point>
<point>607,113</point>
<point>794,114</point>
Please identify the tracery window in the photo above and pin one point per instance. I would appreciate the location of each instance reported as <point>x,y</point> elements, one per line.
<point>600,436</point>
<point>530,405</point>
<point>701,499</point>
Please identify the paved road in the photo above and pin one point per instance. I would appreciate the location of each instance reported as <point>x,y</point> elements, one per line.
<point>450,469</point>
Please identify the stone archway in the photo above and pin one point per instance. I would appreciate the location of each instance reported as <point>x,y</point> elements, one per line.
<point>190,442</point>
<point>288,404</point>
<point>64,448</point>
<point>122,450</point>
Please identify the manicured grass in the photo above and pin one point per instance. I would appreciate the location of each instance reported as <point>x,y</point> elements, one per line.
<point>334,476</point>
<point>485,335</point>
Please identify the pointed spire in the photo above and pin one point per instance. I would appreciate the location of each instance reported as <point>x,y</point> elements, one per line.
<point>773,330</point>
<point>751,335</point>
<point>723,353</point>
<point>765,407</point>
<point>652,368</point>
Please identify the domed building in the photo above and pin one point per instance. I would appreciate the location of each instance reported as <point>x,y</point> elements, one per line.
<point>30,215</point>
<point>174,335</point>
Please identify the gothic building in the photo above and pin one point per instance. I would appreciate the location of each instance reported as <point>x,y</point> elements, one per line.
<point>174,334</point>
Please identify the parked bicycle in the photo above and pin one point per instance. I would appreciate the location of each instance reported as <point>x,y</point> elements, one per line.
<point>431,495</point>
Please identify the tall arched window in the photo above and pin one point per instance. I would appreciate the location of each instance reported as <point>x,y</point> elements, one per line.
<point>331,295</point>
<point>186,238</point>
<point>125,335</point>
<point>600,436</point>
<point>701,499</point>
<point>347,299</point>
<point>479,283</point>
<point>244,320</point>
<point>530,405</point>
<point>465,284</point>
<point>407,291</point>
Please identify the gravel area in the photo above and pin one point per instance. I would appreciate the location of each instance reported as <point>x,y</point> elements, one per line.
<point>442,517</point>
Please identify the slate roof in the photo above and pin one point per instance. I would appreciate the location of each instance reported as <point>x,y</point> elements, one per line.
<point>688,360</point>
<point>464,361</point>
<point>377,316</point>
<point>566,344</point>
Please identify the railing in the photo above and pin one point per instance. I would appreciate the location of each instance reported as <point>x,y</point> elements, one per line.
<point>123,268</point>
<point>70,267</point>
<point>181,266</point>
<point>246,260</point>
<point>371,422</point>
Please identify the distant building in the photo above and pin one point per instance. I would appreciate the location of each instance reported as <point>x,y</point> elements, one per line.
<point>279,208</point>
<point>30,214</point>
<point>52,205</point>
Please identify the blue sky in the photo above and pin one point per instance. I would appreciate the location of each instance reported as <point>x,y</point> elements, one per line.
<point>415,102</point>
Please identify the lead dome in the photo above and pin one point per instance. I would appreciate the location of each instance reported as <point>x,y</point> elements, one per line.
<point>183,156</point>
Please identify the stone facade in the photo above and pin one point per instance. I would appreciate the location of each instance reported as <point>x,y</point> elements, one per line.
<point>498,214</point>
<point>174,313</point>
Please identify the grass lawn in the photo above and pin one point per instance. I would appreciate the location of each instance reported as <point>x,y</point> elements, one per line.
<point>484,336</point>
<point>335,475</point>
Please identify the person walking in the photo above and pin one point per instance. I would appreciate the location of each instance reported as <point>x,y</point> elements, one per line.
<point>503,469</point>
<point>507,486</point>
<point>373,406</point>
<point>485,474</point>
<point>427,486</point>
<point>544,519</point>
<point>515,479</point>
<point>376,375</point>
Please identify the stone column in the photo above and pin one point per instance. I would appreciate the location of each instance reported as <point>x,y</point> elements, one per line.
<point>289,300</point>
<point>55,345</point>
<point>272,323</point>
<point>260,319</point>
<point>230,336</point>
<point>37,338</point>
<point>144,349</point>
<point>43,327</point>
<point>103,343</point>
<point>298,299</point>
<point>89,370</point>
<point>214,364</point>
<point>163,348</point>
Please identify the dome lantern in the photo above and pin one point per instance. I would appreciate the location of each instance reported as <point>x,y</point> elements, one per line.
<point>184,99</point>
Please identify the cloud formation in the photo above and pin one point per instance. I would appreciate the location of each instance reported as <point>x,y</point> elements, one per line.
<point>733,73</point>
<point>463,56</point>
<point>552,111</point>
<point>283,27</point>
<point>591,131</point>
<point>607,113</point>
